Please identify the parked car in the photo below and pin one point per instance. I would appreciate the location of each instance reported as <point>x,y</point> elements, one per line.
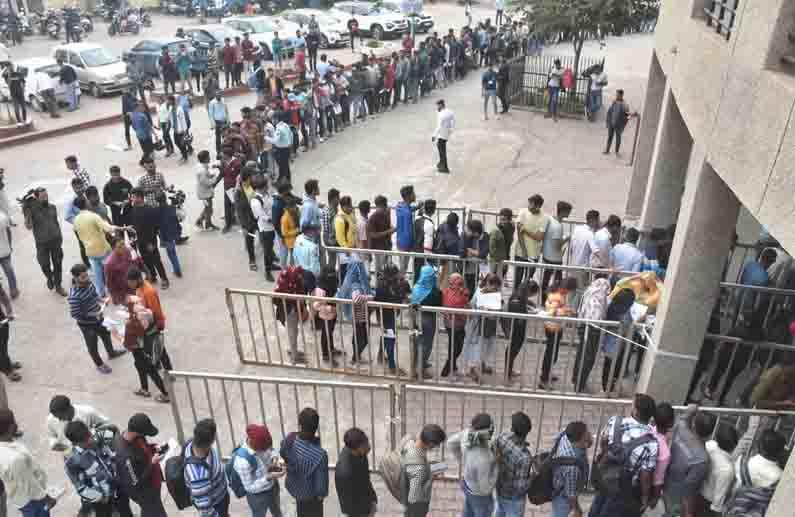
<point>373,21</point>
<point>424,22</point>
<point>261,28</point>
<point>98,70</point>
<point>148,51</point>
<point>333,29</point>
<point>204,35</point>
<point>30,66</point>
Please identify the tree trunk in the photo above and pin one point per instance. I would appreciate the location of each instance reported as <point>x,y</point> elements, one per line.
<point>578,41</point>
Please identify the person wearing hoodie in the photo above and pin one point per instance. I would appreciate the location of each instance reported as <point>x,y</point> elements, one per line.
<point>479,465</point>
<point>204,472</point>
<point>352,476</point>
<point>307,465</point>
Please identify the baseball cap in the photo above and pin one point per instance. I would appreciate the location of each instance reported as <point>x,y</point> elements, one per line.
<point>260,436</point>
<point>141,424</point>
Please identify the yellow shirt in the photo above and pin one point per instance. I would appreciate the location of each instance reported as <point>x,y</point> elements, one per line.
<point>531,223</point>
<point>345,230</point>
<point>91,230</point>
<point>289,229</point>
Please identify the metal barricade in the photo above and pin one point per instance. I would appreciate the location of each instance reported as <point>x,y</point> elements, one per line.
<point>458,346</point>
<point>234,401</point>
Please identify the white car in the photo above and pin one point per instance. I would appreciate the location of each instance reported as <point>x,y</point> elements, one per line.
<point>333,29</point>
<point>47,66</point>
<point>261,29</point>
<point>374,21</point>
<point>98,70</point>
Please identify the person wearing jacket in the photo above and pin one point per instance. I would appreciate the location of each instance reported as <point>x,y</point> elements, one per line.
<point>169,232</point>
<point>282,141</point>
<point>616,120</point>
<point>402,65</point>
<point>41,217</point>
<point>479,465</point>
<point>244,192</point>
<point>352,476</point>
<point>179,124</point>
<point>230,169</point>
<point>474,244</point>
<point>205,191</point>
<point>204,472</point>
<point>425,292</point>
<point>307,465</point>
<point>91,470</point>
<point>500,242</point>
<point>260,480</point>
<point>137,464</point>
<point>62,411</point>
<point>416,482</point>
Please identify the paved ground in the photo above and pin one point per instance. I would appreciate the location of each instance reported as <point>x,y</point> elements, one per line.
<point>496,163</point>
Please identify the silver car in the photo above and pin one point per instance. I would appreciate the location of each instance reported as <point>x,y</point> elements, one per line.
<point>98,71</point>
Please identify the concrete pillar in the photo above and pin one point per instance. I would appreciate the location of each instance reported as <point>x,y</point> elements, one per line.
<point>649,124</point>
<point>668,168</point>
<point>704,234</point>
<point>781,505</point>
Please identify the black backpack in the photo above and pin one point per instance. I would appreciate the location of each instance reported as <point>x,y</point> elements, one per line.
<point>542,469</point>
<point>175,478</point>
<point>613,474</point>
<point>419,234</point>
<point>749,501</point>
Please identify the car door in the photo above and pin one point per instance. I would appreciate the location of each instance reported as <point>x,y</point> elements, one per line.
<point>76,62</point>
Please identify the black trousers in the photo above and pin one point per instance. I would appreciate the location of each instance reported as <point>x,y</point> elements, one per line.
<point>326,328</point>
<point>229,212</point>
<point>360,339</point>
<point>441,144</point>
<point>313,58</point>
<point>120,504</point>
<point>127,126</point>
<point>550,353</point>
<point>586,356</point>
<point>518,335</point>
<point>520,271</point>
<point>83,255</point>
<point>547,276</point>
<point>282,157</point>
<point>92,334</point>
<point>613,132</point>
<point>267,239</point>
<point>179,141</point>
<point>309,508</point>
<point>742,356</point>
<point>219,135</point>
<point>165,128</point>
<point>50,258</point>
<point>147,149</point>
<point>609,379</point>
<point>152,261</point>
<point>502,93</point>
<point>20,111</point>
<point>248,239</point>
<point>455,344</point>
<point>5,360</point>
<point>151,504</point>
<point>146,368</point>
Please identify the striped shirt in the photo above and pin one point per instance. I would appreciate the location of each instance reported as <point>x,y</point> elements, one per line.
<point>84,305</point>
<point>307,468</point>
<point>255,480</point>
<point>206,480</point>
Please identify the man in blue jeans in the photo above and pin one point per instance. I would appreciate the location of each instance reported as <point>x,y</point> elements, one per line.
<point>24,480</point>
<point>513,479</point>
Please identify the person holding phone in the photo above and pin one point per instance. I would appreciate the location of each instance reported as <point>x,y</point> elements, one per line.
<point>260,476</point>
<point>138,465</point>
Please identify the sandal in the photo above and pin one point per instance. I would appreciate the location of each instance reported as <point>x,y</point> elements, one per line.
<point>142,393</point>
<point>163,399</point>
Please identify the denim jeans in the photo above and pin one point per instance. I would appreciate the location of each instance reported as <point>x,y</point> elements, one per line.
<point>560,507</point>
<point>282,249</point>
<point>389,348</point>
<point>264,501</point>
<point>99,273</point>
<point>171,251</point>
<point>554,92</point>
<point>5,262</point>
<point>478,505</point>
<point>510,506</point>
<point>35,509</point>
<point>594,100</point>
<point>425,340</point>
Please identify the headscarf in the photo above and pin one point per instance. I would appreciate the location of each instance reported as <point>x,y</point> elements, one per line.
<point>260,436</point>
<point>620,304</point>
<point>291,281</point>
<point>423,286</point>
<point>455,295</point>
<point>116,267</point>
<point>356,279</point>
<point>594,300</point>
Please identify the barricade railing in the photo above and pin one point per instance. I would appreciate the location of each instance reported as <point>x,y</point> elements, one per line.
<point>234,401</point>
<point>439,216</point>
<point>387,412</point>
<point>442,344</point>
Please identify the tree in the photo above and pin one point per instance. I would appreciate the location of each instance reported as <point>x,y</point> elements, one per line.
<point>576,20</point>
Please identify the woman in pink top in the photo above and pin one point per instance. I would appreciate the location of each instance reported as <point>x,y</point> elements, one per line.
<point>326,313</point>
<point>663,422</point>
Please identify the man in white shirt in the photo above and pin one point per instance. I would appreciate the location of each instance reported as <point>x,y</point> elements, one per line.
<point>718,484</point>
<point>598,82</point>
<point>763,468</point>
<point>445,123</point>
<point>554,239</point>
<point>602,243</point>
<point>44,86</point>
<point>262,207</point>
<point>62,411</point>
<point>626,256</point>
<point>25,482</point>
<point>531,223</point>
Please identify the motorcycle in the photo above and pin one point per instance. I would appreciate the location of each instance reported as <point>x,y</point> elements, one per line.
<point>122,25</point>
<point>25,24</point>
<point>86,24</point>
<point>146,20</point>
<point>54,29</point>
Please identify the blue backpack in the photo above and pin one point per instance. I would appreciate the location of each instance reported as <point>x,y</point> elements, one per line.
<point>235,483</point>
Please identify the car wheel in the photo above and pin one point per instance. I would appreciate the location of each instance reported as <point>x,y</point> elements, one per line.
<point>324,41</point>
<point>96,91</point>
<point>36,104</point>
<point>378,32</point>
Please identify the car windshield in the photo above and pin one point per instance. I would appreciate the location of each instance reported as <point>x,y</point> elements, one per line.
<point>220,35</point>
<point>324,19</point>
<point>50,69</point>
<point>98,57</point>
<point>260,26</point>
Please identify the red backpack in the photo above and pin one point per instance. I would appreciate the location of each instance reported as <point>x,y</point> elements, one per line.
<point>568,79</point>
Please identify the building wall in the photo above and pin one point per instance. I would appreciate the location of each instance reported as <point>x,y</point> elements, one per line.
<point>737,101</point>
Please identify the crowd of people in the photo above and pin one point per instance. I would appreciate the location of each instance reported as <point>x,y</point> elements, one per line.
<point>692,465</point>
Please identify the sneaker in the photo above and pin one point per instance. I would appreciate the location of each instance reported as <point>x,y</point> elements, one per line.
<point>60,290</point>
<point>268,276</point>
<point>14,294</point>
<point>104,368</point>
<point>165,284</point>
<point>178,274</point>
<point>50,284</point>
<point>116,353</point>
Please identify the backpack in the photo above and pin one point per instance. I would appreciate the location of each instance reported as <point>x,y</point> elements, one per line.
<point>542,474</point>
<point>612,475</point>
<point>567,81</point>
<point>749,501</point>
<point>175,477</point>
<point>419,234</point>
<point>235,483</point>
<point>390,470</point>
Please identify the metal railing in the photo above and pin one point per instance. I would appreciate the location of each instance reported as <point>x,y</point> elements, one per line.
<point>386,413</point>
<point>493,343</point>
<point>234,401</point>
<point>722,14</point>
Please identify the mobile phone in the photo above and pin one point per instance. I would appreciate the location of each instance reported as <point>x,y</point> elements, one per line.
<point>163,449</point>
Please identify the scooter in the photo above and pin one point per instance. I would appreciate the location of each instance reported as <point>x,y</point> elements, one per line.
<point>54,29</point>
<point>86,24</point>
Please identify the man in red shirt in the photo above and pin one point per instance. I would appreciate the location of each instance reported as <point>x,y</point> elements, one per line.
<point>228,56</point>
<point>237,76</point>
<point>248,52</point>
<point>230,169</point>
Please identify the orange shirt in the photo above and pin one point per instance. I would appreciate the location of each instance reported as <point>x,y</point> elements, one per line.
<point>151,301</point>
